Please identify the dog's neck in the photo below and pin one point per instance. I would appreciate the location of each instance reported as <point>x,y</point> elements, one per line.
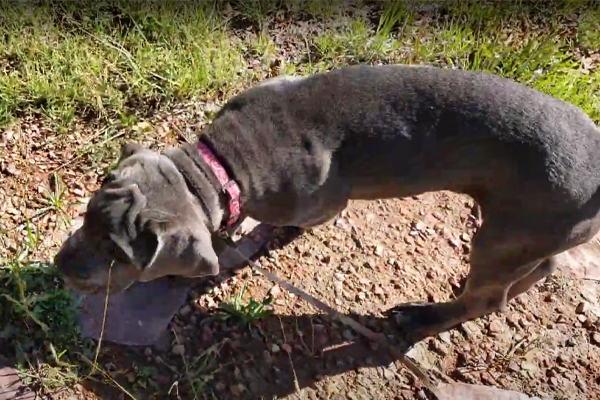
<point>209,181</point>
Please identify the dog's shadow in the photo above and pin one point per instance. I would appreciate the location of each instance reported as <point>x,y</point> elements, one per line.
<point>270,357</point>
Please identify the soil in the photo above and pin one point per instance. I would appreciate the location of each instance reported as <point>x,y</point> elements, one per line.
<point>373,257</point>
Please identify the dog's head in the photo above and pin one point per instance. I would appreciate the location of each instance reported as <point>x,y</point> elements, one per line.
<point>142,224</point>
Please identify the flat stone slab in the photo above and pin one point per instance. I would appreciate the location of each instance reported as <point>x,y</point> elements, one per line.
<point>140,315</point>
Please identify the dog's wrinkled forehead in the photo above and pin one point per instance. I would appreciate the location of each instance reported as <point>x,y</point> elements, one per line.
<point>152,172</point>
<point>142,178</point>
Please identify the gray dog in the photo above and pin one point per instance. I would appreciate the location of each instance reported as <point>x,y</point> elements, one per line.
<point>293,152</point>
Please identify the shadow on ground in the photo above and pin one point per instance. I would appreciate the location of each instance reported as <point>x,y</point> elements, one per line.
<point>207,352</point>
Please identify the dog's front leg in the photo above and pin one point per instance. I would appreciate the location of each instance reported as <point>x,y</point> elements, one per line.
<point>500,269</point>
<point>422,320</point>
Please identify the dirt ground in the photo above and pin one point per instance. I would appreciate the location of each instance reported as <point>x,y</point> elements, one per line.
<point>383,253</point>
<point>374,256</point>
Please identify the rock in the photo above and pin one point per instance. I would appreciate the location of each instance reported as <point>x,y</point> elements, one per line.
<point>464,237</point>
<point>12,170</point>
<point>513,320</point>
<point>131,377</point>
<point>275,291</point>
<point>529,366</point>
<point>440,348</point>
<point>341,223</point>
<point>379,251</point>
<point>148,352</point>
<point>550,298</point>
<point>595,339</point>
<point>583,307</point>
<point>11,386</point>
<point>238,389</point>
<point>178,350</point>
<point>471,330</point>
<point>348,335</point>
<point>563,359</point>
<point>339,277</point>
<point>495,326</point>
<point>445,337</point>
<point>513,367</point>
<point>267,357</point>
<point>471,392</point>
<point>420,226</point>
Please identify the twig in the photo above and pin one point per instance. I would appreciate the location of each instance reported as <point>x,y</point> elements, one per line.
<point>289,354</point>
<point>94,364</point>
<point>104,312</point>
<point>180,134</point>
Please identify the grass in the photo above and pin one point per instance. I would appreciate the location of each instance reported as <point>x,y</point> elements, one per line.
<point>97,71</point>
<point>248,313</point>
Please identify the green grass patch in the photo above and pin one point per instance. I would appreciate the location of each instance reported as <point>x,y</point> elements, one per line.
<point>91,60</point>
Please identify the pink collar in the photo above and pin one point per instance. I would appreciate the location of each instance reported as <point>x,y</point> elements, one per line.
<point>228,186</point>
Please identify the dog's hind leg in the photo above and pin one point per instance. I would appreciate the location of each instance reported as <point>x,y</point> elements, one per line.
<point>543,270</point>
<point>509,254</point>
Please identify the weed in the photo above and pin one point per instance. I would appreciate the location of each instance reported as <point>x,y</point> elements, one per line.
<point>248,313</point>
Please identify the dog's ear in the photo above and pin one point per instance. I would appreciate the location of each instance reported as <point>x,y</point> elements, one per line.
<point>127,150</point>
<point>183,251</point>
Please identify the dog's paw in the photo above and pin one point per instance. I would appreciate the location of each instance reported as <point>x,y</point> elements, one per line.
<point>417,320</point>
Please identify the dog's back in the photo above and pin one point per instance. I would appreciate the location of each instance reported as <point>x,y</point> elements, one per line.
<point>419,129</point>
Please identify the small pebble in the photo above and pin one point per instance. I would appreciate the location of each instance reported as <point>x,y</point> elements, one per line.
<point>583,307</point>
<point>131,377</point>
<point>495,326</point>
<point>513,367</point>
<point>178,350</point>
